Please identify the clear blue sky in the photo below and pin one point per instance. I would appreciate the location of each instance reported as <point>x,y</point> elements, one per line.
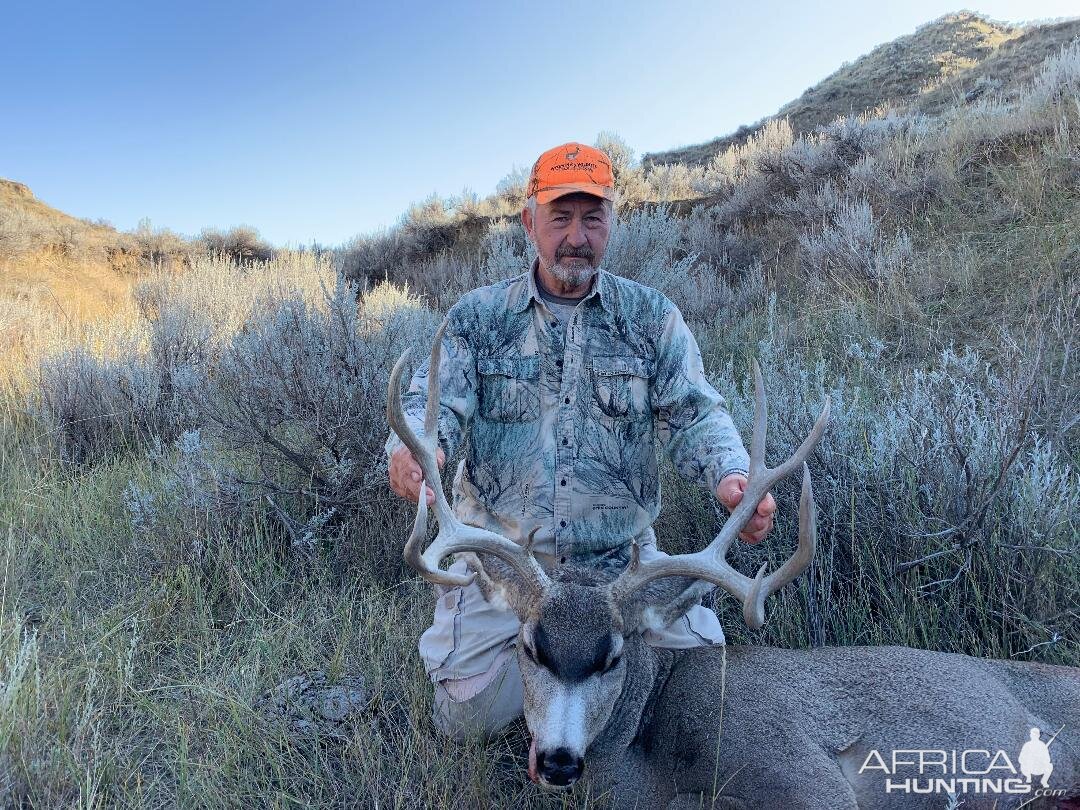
<point>321,120</point>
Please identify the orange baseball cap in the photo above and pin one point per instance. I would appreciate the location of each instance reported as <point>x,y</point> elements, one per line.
<point>572,167</point>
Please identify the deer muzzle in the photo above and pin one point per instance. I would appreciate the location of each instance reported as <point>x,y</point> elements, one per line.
<point>559,768</point>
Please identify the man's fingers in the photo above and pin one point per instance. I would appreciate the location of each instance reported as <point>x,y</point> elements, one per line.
<point>406,475</point>
<point>730,492</point>
<point>756,529</point>
<point>746,537</point>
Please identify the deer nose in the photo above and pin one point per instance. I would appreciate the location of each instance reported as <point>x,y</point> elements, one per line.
<point>561,767</point>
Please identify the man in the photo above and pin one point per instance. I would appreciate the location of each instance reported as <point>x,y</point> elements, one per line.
<point>562,379</point>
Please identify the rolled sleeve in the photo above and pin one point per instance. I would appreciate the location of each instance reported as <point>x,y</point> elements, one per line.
<point>697,431</point>
<point>457,391</point>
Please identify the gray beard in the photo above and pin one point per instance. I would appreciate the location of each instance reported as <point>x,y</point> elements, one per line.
<point>574,276</point>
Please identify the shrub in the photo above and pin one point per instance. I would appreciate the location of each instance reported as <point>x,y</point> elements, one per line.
<point>672,181</point>
<point>372,258</point>
<point>734,165</point>
<point>1058,80</point>
<point>241,244</point>
<point>94,407</point>
<point>161,248</point>
<point>146,387</point>
<point>933,501</point>
<point>18,233</point>
<point>851,246</point>
<point>302,392</point>
<point>730,248</point>
<point>511,189</point>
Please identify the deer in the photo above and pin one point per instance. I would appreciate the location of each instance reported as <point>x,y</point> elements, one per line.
<point>742,726</point>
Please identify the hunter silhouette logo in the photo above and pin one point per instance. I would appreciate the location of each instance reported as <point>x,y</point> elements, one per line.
<point>572,155</point>
<point>1034,758</point>
<point>972,771</point>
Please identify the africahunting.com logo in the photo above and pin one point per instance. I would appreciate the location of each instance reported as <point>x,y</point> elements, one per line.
<point>975,771</point>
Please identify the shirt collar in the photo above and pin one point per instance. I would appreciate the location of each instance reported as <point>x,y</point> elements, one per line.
<point>600,289</point>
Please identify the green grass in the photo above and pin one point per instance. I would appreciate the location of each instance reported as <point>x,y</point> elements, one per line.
<point>128,675</point>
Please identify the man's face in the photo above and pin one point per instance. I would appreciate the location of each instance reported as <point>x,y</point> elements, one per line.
<point>570,235</point>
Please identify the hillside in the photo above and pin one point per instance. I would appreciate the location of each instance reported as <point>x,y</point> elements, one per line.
<point>57,270</point>
<point>954,59</point>
<point>60,274</point>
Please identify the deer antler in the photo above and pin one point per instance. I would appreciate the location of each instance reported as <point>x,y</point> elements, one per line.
<point>710,564</point>
<point>453,536</point>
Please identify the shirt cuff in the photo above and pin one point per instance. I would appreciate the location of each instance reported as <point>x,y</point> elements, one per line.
<point>718,473</point>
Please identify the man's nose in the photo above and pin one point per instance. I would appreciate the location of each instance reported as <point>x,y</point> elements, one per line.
<point>576,237</point>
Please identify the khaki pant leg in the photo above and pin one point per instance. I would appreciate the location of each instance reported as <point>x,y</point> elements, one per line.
<point>499,701</point>
<point>698,627</point>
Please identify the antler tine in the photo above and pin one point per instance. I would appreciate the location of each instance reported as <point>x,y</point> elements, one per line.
<point>761,589</point>
<point>760,478</point>
<point>761,422</point>
<point>710,563</point>
<point>423,449</point>
<point>453,536</point>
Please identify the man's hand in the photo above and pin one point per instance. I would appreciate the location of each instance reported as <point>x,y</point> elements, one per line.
<point>730,491</point>
<point>405,475</point>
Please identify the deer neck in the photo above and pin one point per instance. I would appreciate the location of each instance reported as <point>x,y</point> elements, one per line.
<point>647,670</point>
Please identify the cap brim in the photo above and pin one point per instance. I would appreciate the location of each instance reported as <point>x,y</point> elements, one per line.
<point>554,192</point>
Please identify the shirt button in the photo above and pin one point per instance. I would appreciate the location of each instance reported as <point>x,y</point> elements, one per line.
<point>558,363</point>
<point>565,442</point>
<point>562,524</point>
<point>563,482</point>
<point>566,400</point>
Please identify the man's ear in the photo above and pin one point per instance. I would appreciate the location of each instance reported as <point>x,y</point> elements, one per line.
<point>527,221</point>
<point>661,602</point>
<point>501,584</point>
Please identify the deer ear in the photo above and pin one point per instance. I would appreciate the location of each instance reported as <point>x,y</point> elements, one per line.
<point>662,601</point>
<point>501,584</point>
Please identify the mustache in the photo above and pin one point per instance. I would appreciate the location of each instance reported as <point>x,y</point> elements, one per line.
<point>583,252</point>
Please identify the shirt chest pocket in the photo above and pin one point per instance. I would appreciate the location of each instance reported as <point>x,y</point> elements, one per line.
<point>509,388</point>
<point>620,386</point>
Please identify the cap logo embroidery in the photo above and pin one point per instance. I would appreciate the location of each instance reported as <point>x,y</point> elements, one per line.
<point>572,155</point>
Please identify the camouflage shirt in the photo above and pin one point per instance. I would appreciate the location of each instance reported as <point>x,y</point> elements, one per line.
<point>563,421</point>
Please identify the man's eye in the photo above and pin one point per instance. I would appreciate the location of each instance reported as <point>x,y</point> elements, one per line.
<point>614,662</point>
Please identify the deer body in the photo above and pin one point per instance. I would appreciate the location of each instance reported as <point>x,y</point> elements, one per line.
<point>793,728</point>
